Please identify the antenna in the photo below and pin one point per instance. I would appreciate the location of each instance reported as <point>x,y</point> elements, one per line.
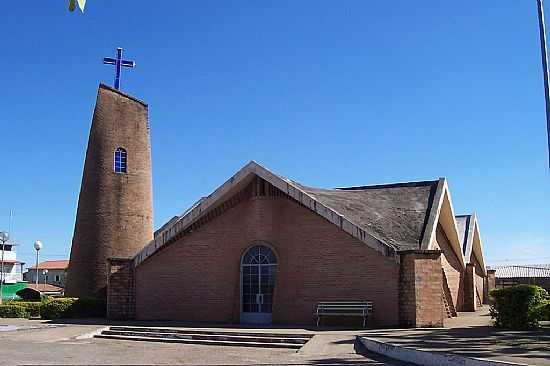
<point>10,223</point>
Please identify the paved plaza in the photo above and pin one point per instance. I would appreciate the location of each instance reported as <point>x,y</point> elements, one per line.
<point>70,342</point>
<point>38,342</point>
<point>471,335</point>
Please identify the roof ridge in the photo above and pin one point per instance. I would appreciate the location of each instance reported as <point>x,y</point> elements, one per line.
<point>388,185</point>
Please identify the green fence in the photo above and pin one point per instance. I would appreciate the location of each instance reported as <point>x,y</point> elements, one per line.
<point>9,290</point>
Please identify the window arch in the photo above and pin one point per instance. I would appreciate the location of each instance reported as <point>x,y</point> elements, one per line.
<point>259,254</point>
<point>121,160</point>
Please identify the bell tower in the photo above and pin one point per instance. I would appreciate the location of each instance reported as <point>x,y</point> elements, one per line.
<point>114,216</point>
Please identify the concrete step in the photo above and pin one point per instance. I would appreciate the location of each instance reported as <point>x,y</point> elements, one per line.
<point>208,332</point>
<point>219,337</point>
<point>190,340</point>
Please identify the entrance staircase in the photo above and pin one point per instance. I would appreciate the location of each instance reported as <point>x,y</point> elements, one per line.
<point>206,337</point>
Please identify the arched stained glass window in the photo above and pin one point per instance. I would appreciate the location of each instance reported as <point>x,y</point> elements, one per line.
<point>121,160</point>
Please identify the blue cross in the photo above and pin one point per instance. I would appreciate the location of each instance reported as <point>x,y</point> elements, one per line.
<point>118,62</point>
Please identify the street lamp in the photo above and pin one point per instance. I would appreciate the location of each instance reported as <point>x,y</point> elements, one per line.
<point>4,236</point>
<point>544,58</point>
<point>37,247</point>
<point>44,273</point>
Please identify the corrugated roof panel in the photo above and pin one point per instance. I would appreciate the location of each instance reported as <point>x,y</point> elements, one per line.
<point>528,271</point>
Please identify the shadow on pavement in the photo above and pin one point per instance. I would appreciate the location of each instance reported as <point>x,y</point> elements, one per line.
<point>474,341</point>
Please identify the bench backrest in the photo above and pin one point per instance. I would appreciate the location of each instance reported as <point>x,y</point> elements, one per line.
<point>345,307</point>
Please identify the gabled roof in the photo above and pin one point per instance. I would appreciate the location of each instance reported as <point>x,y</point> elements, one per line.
<point>396,214</point>
<point>387,218</point>
<point>442,213</point>
<point>470,238</point>
<point>60,264</point>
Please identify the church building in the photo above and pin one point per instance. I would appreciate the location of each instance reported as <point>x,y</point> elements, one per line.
<point>263,248</point>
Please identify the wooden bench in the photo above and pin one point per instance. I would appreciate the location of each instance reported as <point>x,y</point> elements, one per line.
<point>347,308</point>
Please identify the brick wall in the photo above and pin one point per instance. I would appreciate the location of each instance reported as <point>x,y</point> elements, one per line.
<point>452,267</point>
<point>469,284</point>
<point>490,284</point>
<point>420,302</point>
<point>121,289</point>
<point>480,279</point>
<point>114,215</point>
<point>197,278</point>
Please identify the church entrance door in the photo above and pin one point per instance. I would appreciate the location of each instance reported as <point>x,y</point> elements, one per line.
<point>258,271</point>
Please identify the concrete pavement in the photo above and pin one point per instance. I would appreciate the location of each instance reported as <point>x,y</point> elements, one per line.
<point>37,342</point>
<point>472,335</point>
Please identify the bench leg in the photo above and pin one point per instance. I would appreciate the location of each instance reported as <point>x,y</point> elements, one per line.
<point>318,319</point>
<point>364,321</point>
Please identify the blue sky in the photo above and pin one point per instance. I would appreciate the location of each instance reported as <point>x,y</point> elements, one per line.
<point>324,92</point>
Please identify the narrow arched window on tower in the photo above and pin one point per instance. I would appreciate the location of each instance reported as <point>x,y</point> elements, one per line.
<point>121,160</point>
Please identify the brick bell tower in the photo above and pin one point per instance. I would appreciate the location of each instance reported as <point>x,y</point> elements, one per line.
<point>114,216</point>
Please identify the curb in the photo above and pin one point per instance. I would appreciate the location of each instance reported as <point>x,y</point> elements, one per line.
<point>92,334</point>
<point>425,358</point>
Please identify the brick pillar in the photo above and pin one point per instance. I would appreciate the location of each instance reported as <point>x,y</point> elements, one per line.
<point>490,283</point>
<point>121,302</point>
<point>469,303</point>
<point>420,289</point>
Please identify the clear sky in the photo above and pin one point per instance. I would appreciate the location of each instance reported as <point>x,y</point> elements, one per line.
<point>329,93</point>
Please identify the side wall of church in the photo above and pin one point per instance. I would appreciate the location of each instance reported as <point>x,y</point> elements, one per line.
<point>452,267</point>
<point>197,278</point>
<point>480,279</point>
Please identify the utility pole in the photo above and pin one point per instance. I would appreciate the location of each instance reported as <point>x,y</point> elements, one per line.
<point>544,56</point>
<point>4,236</point>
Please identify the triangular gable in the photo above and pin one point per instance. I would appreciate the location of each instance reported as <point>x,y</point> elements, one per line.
<point>238,182</point>
<point>463,226</point>
<point>473,244</point>
<point>443,213</point>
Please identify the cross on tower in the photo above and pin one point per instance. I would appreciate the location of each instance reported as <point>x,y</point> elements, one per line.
<point>118,62</point>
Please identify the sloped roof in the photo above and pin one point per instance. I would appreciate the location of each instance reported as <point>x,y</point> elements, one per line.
<point>388,218</point>
<point>394,213</point>
<point>41,287</point>
<point>60,264</point>
<point>525,271</point>
<point>468,231</point>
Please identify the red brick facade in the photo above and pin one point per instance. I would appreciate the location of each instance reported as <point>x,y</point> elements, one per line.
<point>480,280</point>
<point>469,285</point>
<point>121,289</point>
<point>490,284</point>
<point>420,301</point>
<point>198,276</point>
<point>452,267</point>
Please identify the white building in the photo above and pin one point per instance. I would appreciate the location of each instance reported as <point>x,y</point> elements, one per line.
<point>49,272</point>
<point>11,266</point>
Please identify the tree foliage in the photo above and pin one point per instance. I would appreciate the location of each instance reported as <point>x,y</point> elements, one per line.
<point>519,307</point>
